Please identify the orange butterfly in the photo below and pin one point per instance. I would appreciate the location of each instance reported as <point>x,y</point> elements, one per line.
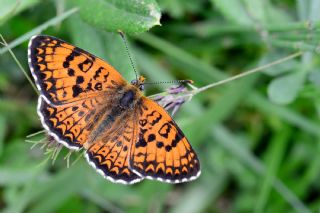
<point>85,103</point>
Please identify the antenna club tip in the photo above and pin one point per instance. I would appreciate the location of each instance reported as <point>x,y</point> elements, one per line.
<point>142,79</point>
<point>189,81</point>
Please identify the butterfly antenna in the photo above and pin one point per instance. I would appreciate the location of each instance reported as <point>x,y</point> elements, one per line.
<point>127,50</point>
<point>170,82</point>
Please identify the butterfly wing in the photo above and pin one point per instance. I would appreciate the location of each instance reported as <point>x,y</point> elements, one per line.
<point>71,124</point>
<point>162,152</point>
<point>64,73</point>
<point>109,154</point>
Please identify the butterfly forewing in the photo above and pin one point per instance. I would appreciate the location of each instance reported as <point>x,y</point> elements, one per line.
<point>65,73</point>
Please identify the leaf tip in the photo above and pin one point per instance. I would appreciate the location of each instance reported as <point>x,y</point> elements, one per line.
<point>155,12</point>
<point>158,23</point>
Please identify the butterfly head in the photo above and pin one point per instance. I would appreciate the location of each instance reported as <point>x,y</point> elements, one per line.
<point>139,83</point>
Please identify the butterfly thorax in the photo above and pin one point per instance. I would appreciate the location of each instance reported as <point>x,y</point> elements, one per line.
<point>129,97</point>
<point>122,105</point>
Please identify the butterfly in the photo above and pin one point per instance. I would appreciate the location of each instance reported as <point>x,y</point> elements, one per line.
<point>85,104</point>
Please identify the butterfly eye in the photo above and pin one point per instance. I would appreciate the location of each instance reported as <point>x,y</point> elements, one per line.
<point>141,87</point>
<point>134,82</point>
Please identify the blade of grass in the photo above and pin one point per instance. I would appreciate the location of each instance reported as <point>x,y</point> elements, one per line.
<point>26,192</point>
<point>208,28</point>
<point>3,129</point>
<point>232,144</point>
<point>151,68</point>
<point>19,65</point>
<point>221,109</point>
<point>287,115</point>
<point>203,192</point>
<point>88,194</point>
<point>10,8</point>
<point>46,196</point>
<point>275,154</point>
<point>12,176</point>
<point>38,30</point>
<point>295,45</point>
<point>310,175</point>
<point>208,73</point>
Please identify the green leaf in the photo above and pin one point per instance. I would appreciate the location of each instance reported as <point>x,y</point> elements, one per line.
<point>131,17</point>
<point>108,46</point>
<point>284,90</point>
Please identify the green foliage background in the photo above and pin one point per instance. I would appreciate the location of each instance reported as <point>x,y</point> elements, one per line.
<point>258,138</point>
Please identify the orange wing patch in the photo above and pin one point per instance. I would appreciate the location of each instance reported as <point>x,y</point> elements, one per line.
<point>109,155</point>
<point>162,151</point>
<point>70,124</point>
<point>65,73</point>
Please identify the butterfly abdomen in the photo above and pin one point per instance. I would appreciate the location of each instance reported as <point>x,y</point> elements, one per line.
<point>106,123</point>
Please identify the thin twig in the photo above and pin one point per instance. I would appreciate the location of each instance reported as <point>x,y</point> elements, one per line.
<point>36,133</point>
<point>187,95</point>
<point>38,29</point>
<point>249,72</point>
<point>19,64</point>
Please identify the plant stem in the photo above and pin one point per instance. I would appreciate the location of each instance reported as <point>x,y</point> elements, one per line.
<point>206,28</point>
<point>249,72</point>
<point>296,45</point>
<point>19,64</point>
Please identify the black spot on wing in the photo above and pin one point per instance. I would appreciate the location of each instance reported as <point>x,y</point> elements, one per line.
<point>79,79</point>
<point>76,90</point>
<point>159,144</point>
<point>141,142</point>
<point>70,72</point>
<point>151,137</point>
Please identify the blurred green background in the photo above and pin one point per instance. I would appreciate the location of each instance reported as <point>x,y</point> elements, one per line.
<point>258,138</point>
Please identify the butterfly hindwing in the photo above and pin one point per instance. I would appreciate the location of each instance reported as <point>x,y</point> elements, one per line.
<point>70,124</point>
<point>162,151</point>
<point>65,73</point>
<point>110,153</point>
